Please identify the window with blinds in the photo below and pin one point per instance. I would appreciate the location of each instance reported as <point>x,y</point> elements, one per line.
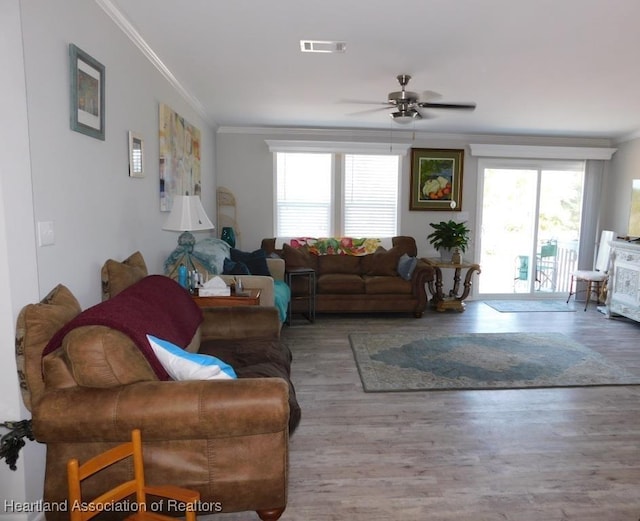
<point>330,194</point>
<point>304,185</point>
<point>370,205</point>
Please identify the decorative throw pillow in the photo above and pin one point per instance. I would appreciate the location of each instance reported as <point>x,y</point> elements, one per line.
<point>299,257</point>
<point>406,265</point>
<point>36,324</point>
<point>117,276</point>
<point>182,365</point>
<point>256,261</point>
<point>235,268</point>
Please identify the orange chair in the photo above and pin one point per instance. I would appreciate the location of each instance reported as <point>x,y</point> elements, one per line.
<point>84,510</point>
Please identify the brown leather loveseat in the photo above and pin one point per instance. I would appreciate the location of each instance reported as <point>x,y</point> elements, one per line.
<point>228,439</point>
<point>370,283</point>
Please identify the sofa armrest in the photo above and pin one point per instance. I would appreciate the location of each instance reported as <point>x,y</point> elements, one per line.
<point>163,411</point>
<point>276,267</point>
<point>422,275</point>
<point>261,282</point>
<point>227,323</point>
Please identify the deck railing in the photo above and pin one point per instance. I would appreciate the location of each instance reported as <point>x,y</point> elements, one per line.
<point>553,274</point>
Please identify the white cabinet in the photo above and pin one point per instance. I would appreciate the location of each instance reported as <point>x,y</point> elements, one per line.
<point>623,293</point>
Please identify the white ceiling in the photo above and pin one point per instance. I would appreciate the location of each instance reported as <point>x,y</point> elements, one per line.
<point>536,67</point>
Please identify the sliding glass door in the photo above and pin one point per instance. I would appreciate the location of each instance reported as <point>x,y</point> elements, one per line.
<point>530,226</point>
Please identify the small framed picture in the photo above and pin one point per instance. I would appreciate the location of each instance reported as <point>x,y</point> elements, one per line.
<point>436,179</point>
<point>136,155</point>
<point>87,93</point>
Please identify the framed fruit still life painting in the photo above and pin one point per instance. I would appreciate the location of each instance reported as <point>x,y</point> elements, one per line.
<point>436,179</point>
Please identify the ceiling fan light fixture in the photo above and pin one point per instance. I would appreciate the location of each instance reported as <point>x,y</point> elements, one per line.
<point>404,117</point>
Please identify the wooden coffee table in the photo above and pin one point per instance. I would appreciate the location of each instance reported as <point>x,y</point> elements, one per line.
<point>249,297</point>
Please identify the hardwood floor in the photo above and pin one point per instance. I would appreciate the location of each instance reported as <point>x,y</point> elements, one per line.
<point>517,455</point>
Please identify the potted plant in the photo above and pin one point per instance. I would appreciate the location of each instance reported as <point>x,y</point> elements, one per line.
<point>449,235</point>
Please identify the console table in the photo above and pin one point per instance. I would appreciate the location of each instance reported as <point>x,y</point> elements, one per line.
<point>250,297</point>
<point>453,300</point>
<point>623,288</point>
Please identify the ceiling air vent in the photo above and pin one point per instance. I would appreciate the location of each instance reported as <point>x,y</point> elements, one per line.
<point>322,46</point>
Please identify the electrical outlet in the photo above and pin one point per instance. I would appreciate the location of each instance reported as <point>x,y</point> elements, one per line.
<point>46,234</point>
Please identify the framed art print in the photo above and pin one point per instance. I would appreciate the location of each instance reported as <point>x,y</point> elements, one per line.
<point>436,179</point>
<point>87,93</point>
<point>136,155</point>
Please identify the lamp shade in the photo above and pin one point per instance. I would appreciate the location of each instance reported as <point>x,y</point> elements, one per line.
<point>187,215</point>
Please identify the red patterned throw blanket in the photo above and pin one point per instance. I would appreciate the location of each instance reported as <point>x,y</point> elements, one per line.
<point>156,305</point>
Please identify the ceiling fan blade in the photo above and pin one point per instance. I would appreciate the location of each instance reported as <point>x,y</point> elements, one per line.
<point>368,111</point>
<point>364,102</point>
<point>425,115</point>
<point>430,95</point>
<point>435,105</point>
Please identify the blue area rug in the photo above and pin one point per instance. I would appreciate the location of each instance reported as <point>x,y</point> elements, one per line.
<point>406,362</point>
<point>529,306</point>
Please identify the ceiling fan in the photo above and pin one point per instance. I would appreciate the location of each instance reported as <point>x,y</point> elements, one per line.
<point>407,104</point>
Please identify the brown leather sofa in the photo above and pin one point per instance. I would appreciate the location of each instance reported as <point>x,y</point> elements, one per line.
<point>227,439</point>
<point>358,284</point>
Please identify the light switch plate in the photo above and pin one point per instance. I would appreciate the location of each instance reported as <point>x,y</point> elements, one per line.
<point>46,234</point>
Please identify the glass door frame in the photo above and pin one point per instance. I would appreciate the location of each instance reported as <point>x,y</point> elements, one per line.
<point>539,165</point>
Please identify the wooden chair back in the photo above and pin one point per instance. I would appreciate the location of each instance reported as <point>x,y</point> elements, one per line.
<point>83,510</point>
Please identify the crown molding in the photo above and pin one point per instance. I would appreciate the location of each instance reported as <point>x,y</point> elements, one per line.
<point>627,137</point>
<point>351,147</point>
<point>541,152</point>
<point>121,21</point>
<point>411,136</point>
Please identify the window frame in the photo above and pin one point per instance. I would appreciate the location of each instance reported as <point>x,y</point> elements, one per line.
<point>338,150</point>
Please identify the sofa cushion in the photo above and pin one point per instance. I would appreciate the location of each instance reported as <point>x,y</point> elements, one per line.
<point>340,283</point>
<point>406,244</point>
<point>378,285</point>
<point>348,264</point>
<point>117,276</point>
<point>258,358</point>
<point>182,365</point>
<point>299,257</point>
<point>99,356</point>
<point>382,262</point>
<point>36,324</point>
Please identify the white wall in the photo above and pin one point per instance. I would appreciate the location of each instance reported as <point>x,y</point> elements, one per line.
<point>81,183</point>
<point>50,173</point>
<point>245,166</point>
<point>625,166</point>
<point>18,273</point>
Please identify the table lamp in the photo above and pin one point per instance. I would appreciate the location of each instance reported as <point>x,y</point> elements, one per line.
<point>187,215</point>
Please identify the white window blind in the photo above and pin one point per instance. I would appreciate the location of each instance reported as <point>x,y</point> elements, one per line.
<point>304,194</point>
<point>358,199</point>
<point>370,195</point>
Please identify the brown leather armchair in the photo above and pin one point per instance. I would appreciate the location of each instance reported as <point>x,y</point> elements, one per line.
<point>226,439</point>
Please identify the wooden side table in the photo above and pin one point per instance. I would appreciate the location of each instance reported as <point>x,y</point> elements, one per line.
<point>453,300</point>
<point>250,297</point>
